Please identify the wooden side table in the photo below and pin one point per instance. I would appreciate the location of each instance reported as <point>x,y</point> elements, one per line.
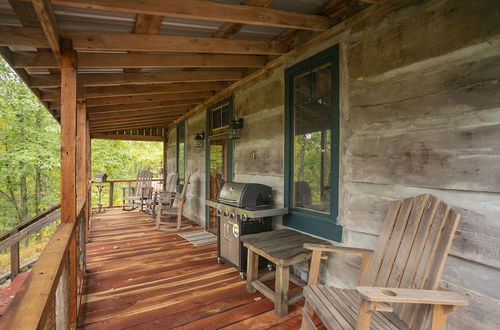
<point>284,248</point>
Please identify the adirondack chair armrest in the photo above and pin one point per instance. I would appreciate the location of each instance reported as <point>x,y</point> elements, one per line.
<point>333,248</point>
<point>318,250</point>
<point>411,296</point>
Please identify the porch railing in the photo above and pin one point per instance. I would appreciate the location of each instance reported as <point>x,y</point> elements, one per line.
<point>109,188</point>
<point>10,240</point>
<point>50,295</point>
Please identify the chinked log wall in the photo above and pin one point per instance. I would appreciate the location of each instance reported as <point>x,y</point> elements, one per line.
<point>420,96</point>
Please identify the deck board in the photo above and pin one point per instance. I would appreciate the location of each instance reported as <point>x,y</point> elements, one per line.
<point>141,278</point>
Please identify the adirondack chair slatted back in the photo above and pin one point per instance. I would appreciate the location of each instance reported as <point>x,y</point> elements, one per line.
<point>144,181</point>
<point>171,182</point>
<point>182,196</point>
<point>412,249</point>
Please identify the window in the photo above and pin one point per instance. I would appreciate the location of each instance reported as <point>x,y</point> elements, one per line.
<point>312,129</point>
<point>181,153</point>
<point>219,118</point>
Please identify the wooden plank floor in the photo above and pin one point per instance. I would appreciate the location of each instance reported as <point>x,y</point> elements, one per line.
<point>141,278</point>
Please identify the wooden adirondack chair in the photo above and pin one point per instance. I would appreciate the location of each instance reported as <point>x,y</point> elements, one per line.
<point>399,278</point>
<point>168,194</point>
<point>139,193</point>
<point>171,206</point>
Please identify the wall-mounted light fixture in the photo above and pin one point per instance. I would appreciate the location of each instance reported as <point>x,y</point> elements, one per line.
<point>235,127</point>
<point>198,139</point>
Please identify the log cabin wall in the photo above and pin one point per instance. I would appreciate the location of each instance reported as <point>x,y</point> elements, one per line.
<point>420,112</point>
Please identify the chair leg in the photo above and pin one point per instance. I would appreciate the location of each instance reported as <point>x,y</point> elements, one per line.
<point>439,315</point>
<point>364,316</point>
<point>307,317</point>
<point>179,220</point>
<point>158,217</point>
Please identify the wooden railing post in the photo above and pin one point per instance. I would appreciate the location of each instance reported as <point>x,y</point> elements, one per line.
<point>14,260</point>
<point>111,193</point>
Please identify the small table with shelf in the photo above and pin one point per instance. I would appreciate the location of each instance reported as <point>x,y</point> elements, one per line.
<point>284,248</point>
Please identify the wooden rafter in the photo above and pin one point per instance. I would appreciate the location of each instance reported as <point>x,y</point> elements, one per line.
<point>145,24</point>
<point>208,10</point>
<point>109,79</point>
<point>118,41</point>
<point>228,30</point>
<point>133,60</point>
<point>147,98</point>
<point>127,90</point>
<point>171,109</point>
<point>127,137</point>
<point>142,106</point>
<point>47,18</point>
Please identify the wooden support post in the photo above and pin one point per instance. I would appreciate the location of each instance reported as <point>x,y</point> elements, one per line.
<point>282,283</point>
<point>68,166</point>
<point>14,260</point>
<point>89,185</point>
<point>165,151</point>
<point>111,193</point>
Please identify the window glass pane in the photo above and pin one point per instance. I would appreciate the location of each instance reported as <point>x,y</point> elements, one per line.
<point>302,88</point>
<point>225,116</point>
<point>181,157</point>
<point>322,81</point>
<point>312,147</point>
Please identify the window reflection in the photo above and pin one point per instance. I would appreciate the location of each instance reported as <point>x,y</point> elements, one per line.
<point>312,140</point>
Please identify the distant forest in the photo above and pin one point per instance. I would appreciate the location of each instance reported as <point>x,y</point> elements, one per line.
<point>29,153</point>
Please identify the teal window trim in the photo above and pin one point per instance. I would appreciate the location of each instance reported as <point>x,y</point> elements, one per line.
<point>316,223</point>
<point>180,126</point>
<point>230,149</point>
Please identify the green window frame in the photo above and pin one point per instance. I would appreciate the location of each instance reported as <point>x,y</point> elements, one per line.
<point>322,222</point>
<point>181,154</point>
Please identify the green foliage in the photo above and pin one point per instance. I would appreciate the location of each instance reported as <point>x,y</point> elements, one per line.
<point>123,159</point>
<point>29,143</point>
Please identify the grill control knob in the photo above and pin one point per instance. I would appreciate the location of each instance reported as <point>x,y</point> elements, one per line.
<point>219,212</point>
<point>231,215</point>
<point>226,213</point>
<point>243,217</point>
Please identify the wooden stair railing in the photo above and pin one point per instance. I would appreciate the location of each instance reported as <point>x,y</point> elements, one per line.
<point>11,238</point>
<point>50,295</point>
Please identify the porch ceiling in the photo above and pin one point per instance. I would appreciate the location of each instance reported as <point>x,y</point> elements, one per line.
<point>142,65</point>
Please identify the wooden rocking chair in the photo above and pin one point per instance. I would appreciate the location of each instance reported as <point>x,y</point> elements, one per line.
<point>152,203</point>
<point>399,278</point>
<point>171,206</point>
<point>141,192</point>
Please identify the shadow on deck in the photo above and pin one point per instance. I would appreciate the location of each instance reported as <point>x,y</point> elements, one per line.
<point>142,278</point>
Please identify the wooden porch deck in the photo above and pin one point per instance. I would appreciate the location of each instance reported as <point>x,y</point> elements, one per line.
<point>141,278</point>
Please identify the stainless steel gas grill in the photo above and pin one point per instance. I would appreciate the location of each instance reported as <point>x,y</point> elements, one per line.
<point>242,209</point>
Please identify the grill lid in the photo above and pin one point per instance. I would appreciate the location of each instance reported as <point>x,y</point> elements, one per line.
<point>245,195</point>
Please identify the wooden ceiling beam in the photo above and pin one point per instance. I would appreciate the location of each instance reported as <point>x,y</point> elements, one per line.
<point>146,98</point>
<point>145,24</point>
<point>47,18</point>
<point>132,60</point>
<point>54,94</point>
<point>117,114</point>
<point>112,79</point>
<point>228,30</point>
<point>130,123</point>
<point>142,106</point>
<point>130,127</point>
<point>119,41</point>
<point>208,10</point>
<point>127,137</point>
<point>139,115</point>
